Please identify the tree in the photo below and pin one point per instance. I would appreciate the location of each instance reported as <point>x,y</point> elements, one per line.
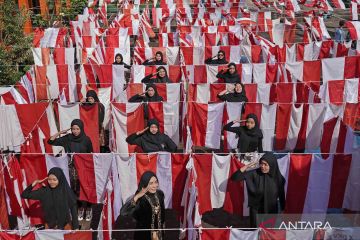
<point>61,13</point>
<point>15,46</point>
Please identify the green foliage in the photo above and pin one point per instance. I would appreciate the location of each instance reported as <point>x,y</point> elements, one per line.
<point>15,46</point>
<point>66,14</point>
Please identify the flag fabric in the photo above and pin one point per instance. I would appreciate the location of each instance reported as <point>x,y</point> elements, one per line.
<point>93,172</point>
<point>205,123</point>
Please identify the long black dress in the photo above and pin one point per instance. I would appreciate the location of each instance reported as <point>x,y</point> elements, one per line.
<point>264,189</point>
<point>143,210</point>
<point>250,140</point>
<point>56,203</point>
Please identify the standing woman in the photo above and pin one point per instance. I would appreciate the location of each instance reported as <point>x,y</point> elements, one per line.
<point>265,187</point>
<point>147,207</point>
<point>150,139</point>
<point>57,200</point>
<point>75,142</point>
<point>161,76</point>
<point>250,135</point>
<point>231,75</point>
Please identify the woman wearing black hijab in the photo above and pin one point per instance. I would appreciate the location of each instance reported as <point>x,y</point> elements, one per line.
<point>76,141</point>
<point>161,77</point>
<point>218,59</point>
<point>250,135</point>
<point>265,187</point>
<point>147,207</point>
<point>238,95</point>
<point>119,60</point>
<point>151,140</point>
<point>157,60</point>
<point>231,75</point>
<point>150,95</point>
<point>57,200</point>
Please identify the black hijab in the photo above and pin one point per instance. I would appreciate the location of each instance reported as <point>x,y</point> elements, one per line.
<point>153,139</point>
<point>162,79</point>
<point>232,77</point>
<point>223,60</point>
<point>145,179</point>
<point>122,59</point>
<point>81,143</point>
<point>249,138</point>
<point>101,111</point>
<point>242,93</point>
<point>81,136</point>
<point>255,131</point>
<point>270,186</point>
<point>58,201</point>
<point>156,97</point>
<point>161,61</point>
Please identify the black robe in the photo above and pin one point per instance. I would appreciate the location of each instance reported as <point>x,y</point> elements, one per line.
<point>150,79</point>
<point>56,203</point>
<point>84,145</point>
<point>228,78</point>
<point>264,190</point>
<point>248,142</point>
<point>152,142</point>
<point>233,97</point>
<point>216,61</point>
<point>142,213</point>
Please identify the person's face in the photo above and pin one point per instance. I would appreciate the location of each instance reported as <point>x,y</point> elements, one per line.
<point>153,129</point>
<point>118,59</point>
<point>238,88</point>
<point>53,181</point>
<point>151,92</point>
<point>91,100</point>
<point>232,69</point>
<point>158,57</point>
<point>153,185</point>
<point>264,166</point>
<point>220,55</point>
<point>75,130</point>
<point>250,123</point>
<point>162,73</point>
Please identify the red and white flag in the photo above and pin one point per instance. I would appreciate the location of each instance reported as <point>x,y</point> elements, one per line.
<point>214,190</point>
<point>354,29</point>
<point>126,119</point>
<point>62,235</point>
<point>205,123</point>
<point>228,234</point>
<point>93,172</point>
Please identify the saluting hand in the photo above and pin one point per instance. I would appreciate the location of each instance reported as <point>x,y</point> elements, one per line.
<point>39,181</point>
<point>64,131</point>
<point>141,193</point>
<point>142,131</point>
